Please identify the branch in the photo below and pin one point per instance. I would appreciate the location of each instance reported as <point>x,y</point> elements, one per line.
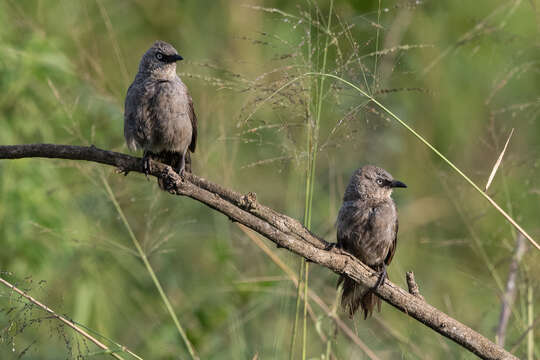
<point>284,231</point>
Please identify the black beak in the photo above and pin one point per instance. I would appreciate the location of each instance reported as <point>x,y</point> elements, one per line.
<point>176,58</point>
<point>396,184</point>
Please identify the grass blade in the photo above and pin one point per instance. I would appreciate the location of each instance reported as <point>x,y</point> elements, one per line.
<point>418,136</point>
<point>498,163</point>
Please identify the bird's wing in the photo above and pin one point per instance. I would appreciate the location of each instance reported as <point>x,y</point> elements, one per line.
<point>392,249</point>
<point>134,126</point>
<point>193,119</point>
<point>353,221</point>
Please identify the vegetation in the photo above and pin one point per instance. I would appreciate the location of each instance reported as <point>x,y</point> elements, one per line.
<point>462,74</point>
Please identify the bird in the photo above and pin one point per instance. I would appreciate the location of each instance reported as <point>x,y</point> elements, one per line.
<point>367,227</point>
<point>159,116</point>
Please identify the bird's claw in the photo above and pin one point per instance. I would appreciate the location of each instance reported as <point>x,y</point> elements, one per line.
<point>166,180</point>
<point>146,164</point>
<point>380,280</point>
<point>332,246</point>
<point>169,186</point>
<point>182,168</point>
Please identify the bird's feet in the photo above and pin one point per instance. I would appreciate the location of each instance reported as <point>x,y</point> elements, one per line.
<point>337,248</point>
<point>181,171</point>
<point>382,277</point>
<point>332,246</point>
<point>146,163</point>
<point>182,168</point>
<point>167,184</point>
<point>166,180</point>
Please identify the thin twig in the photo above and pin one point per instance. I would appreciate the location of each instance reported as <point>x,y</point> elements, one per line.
<point>525,333</point>
<point>530,314</point>
<point>284,231</point>
<point>511,288</point>
<point>413,287</point>
<point>69,323</point>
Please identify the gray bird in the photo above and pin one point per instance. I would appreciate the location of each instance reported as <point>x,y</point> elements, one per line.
<point>159,115</point>
<point>367,228</point>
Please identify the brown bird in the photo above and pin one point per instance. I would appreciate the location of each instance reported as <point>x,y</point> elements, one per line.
<point>367,227</point>
<point>159,115</point>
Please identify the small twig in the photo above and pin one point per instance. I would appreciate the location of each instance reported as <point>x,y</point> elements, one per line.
<point>510,292</point>
<point>69,323</point>
<point>413,287</point>
<point>525,333</point>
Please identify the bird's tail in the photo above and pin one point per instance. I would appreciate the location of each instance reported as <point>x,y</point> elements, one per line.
<point>355,295</point>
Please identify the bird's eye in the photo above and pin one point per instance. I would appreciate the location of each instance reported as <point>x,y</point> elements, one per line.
<point>159,56</point>
<point>379,181</point>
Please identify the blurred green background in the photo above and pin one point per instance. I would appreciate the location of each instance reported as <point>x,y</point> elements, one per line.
<point>462,73</point>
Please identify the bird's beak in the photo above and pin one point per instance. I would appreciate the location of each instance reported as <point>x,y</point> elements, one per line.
<point>397,183</point>
<point>177,57</point>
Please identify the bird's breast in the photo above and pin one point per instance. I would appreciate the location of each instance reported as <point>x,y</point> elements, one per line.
<point>169,111</point>
<point>367,230</point>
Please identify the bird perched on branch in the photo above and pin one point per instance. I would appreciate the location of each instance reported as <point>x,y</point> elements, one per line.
<point>367,228</point>
<point>159,115</point>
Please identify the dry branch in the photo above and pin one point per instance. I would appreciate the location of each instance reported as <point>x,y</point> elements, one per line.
<point>413,287</point>
<point>284,231</point>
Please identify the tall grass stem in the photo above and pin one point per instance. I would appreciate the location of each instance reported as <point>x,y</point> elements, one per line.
<point>150,270</point>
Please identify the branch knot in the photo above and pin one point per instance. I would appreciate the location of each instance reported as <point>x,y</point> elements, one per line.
<point>249,201</point>
<point>413,287</point>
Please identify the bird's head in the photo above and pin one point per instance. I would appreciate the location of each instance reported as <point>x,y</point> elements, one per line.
<point>371,182</point>
<point>160,60</point>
